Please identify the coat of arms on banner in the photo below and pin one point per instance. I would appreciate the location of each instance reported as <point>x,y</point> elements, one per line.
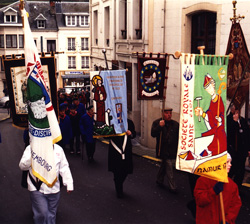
<point>151,76</point>
<point>110,102</point>
<point>202,138</point>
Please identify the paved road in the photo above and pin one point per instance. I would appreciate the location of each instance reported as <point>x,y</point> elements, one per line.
<point>94,200</point>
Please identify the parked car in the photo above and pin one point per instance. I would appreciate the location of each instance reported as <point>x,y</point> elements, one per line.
<point>5,101</point>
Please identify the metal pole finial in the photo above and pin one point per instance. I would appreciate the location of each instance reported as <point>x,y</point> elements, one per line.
<point>235,18</point>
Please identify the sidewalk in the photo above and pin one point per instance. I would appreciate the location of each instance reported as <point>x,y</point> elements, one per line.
<point>4,115</point>
<point>143,151</point>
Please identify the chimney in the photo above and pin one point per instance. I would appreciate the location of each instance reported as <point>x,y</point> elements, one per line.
<point>52,7</point>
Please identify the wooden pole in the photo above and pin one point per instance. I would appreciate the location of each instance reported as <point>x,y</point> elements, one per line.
<point>164,98</point>
<point>21,7</point>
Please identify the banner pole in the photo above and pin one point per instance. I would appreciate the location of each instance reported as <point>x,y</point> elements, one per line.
<point>105,58</point>
<point>164,98</point>
<point>222,208</point>
<point>21,7</point>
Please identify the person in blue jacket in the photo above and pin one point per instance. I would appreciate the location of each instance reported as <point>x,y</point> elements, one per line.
<point>65,126</point>
<point>80,108</point>
<point>86,127</point>
<point>75,120</point>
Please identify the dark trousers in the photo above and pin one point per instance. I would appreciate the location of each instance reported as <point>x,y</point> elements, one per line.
<point>167,168</point>
<point>90,149</point>
<point>119,178</point>
<point>72,141</point>
<point>237,170</point>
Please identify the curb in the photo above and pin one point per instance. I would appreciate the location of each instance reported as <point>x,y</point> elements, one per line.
<point>5,118</point>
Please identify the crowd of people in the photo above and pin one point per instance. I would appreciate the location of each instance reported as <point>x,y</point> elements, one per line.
<point>76,124</point>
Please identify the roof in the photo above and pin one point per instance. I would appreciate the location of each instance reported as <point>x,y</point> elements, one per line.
<point>36,8</point>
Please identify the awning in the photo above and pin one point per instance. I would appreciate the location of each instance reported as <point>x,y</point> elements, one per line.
<point>75,76</point>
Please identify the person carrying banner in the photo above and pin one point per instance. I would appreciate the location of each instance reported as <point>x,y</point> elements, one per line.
<point>86,128</point>
<point>120,157</point>
<point>206,194</point>
<point>44,199</point>
<point>214,118</point>
<point>168,149</point>
<point>238,140</point>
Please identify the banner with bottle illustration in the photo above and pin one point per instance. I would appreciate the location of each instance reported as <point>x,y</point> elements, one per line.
<point>151,76</point>
<point>109,93</point>
<point>44,130</point>
<point>202,147</point>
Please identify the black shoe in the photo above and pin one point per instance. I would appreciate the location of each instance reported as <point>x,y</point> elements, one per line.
<point>160,184</point>
<point>173,191</point>
<point>91,159</point>
<point>71,152</point>
<point>120,195</point>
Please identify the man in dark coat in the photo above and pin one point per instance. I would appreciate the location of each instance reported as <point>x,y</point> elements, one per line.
<point>86,128</point>
<point>238,142</point>
<point>168,129</point>
<point>75,121</point>
<point>65,127</point>
<point>120,157</point>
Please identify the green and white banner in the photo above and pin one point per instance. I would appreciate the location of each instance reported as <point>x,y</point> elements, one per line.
<point>202,147</point>
<point>44,129</point>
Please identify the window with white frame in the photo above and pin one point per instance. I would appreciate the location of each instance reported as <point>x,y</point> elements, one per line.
<point>71,44</point>
<point>8,18</point>
<point>71,62</point>
<point>21,41</point>
<point>2,41</point>
<point>85,43</point>
<point>11,41</point>
<point>84,20</point>
<point>85,62</point>
<point>70,20</point>
<point>40,24</point>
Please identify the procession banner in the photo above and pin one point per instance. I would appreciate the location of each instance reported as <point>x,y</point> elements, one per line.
<point>44,129</point>
<point>202,137</point>
<point>151,76</point>
<point>238,47</point>
<point>15,72</point>
<point>110,102</point>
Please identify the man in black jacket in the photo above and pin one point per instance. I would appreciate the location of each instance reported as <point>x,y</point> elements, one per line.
<point>238,145</point>
<point>166,132</point>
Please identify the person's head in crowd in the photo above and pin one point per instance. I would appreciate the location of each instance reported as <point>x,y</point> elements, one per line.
<point>236,114</point>
<point>229,160</point>
<point>90,111</point>
<point>76,101</point>
<point>232,109</point>
<point>167,114</point>
<point>62,109</point>
<point>72,108</point>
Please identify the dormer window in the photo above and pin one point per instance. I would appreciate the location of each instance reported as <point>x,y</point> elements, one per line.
<point>40,21</point>
<point>84,20</point>
<point>70,20</point>
<point>40,24</point>
<point>10,15</point>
